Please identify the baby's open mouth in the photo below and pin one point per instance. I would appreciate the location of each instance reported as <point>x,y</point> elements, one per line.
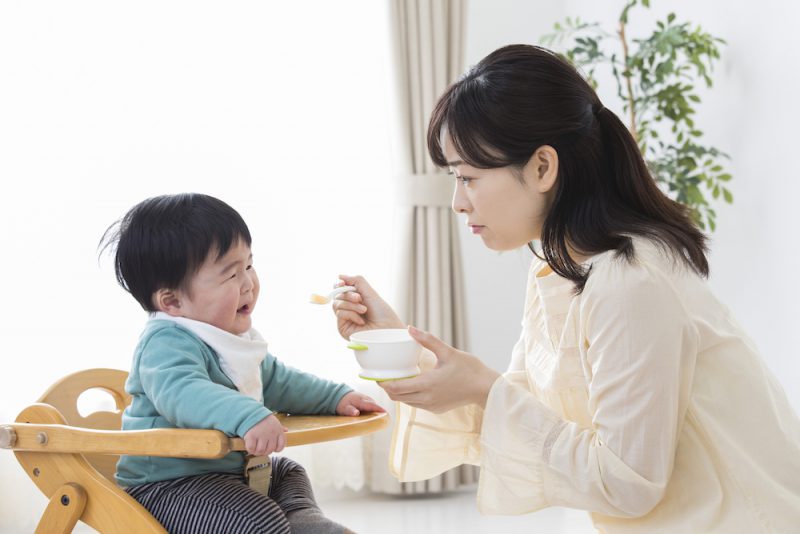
<point>244,309</point>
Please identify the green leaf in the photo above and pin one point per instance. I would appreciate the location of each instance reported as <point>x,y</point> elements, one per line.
<point>728,195</point>
<point>662,70</point>
<point>623,18</point>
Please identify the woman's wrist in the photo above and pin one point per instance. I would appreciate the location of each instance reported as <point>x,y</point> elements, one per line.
<point>485,379</point>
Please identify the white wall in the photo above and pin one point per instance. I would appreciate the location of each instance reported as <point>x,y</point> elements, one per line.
<point>280,109</point>
<point>752,113</point>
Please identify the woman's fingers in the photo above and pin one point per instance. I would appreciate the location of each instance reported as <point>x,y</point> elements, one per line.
<point>430,342</point>
<point>348,306</point>
<point>406,387</point>
<point>353,317</point>
<point>350,296</point>
<point>418,399</point>
<point>349,312</point>
<point>377,313</point>
<point>400,387</point>
<point>359,282</point>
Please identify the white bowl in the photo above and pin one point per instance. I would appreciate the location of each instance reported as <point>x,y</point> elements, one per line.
<point>386,354</point>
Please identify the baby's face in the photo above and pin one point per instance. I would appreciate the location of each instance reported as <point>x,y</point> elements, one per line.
<point>224,291</point>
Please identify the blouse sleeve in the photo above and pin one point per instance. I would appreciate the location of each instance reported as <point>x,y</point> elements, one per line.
<point>425,444</point>
<point>641,349</point>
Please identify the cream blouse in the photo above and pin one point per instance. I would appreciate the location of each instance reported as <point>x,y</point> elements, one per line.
<point>640,400</point>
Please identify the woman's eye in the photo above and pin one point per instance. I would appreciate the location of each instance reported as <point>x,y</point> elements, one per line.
<point>463,179</point>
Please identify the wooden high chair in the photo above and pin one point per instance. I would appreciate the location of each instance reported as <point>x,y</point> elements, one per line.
<point>72,458</point>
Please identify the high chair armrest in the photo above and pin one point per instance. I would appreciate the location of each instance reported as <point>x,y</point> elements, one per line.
<point>178,443</point>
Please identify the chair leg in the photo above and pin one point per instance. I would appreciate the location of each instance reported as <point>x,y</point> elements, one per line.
<point>63,511</point>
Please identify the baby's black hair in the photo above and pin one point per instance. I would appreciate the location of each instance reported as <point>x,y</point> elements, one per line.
<point>164,240</point>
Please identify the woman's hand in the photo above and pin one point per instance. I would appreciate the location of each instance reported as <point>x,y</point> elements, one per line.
<point>354,403</point>
<point>457,379</point>
<point>362,309</point>
<point>265,437</point>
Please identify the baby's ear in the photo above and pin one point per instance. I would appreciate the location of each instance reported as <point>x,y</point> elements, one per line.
<point>167,301</point>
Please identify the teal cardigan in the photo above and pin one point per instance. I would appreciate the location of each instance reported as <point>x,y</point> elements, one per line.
<point>176,382</point>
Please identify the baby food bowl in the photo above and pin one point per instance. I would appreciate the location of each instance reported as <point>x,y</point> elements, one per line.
<point>387,354</point>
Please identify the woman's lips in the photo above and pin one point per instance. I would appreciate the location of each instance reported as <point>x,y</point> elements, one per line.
<point>476,228</point>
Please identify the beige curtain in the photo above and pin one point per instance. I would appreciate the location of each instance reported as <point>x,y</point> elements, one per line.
<point>428,42</point>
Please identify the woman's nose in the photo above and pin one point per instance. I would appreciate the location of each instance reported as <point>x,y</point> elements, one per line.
<point>461,203</point>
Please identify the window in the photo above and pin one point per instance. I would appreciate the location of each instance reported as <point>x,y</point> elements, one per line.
<point>279,108</point>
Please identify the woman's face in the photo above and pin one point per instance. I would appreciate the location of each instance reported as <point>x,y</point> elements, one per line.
<point>505,206</point>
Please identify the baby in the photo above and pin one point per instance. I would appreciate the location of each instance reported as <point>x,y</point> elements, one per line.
<point>199,364</point>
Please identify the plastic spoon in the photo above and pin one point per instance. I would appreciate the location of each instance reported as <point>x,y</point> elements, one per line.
<point>322,299</point>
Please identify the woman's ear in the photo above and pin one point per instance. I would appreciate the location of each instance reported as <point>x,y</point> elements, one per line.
<point>542,168</point>
<point>167,301</point>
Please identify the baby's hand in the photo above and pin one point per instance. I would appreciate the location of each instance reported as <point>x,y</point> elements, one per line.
<point>354,403</point>
<point>265,437</point>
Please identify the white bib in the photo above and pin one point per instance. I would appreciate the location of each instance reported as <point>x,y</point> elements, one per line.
<point>240,356</point>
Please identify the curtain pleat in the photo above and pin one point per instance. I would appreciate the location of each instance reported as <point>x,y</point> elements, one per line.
<point>428,37</point>
<point>428,41</point>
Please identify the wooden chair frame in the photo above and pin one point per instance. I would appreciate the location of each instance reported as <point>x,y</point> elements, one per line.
<point>72,458</point>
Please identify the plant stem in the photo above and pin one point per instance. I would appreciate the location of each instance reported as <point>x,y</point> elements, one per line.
<point>628,79</point>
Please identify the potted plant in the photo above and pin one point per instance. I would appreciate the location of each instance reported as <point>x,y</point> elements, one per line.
<point>656,78</point>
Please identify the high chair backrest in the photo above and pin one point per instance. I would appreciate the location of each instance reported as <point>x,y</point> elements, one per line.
<point>64,395</point>
<point>81,486</point>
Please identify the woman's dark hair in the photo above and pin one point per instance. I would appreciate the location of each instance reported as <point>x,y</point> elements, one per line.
<point>521,97</point>
<point>163,240</point>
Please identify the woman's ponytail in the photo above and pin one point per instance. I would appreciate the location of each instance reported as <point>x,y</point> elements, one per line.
<point>521,97</point>
<point>652,213</point>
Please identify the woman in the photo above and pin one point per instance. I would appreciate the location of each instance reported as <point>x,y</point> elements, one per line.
<point>632,393</point>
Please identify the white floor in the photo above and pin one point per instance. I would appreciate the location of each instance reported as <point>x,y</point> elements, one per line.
<point>454,512</point>
<point>449,513</point>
